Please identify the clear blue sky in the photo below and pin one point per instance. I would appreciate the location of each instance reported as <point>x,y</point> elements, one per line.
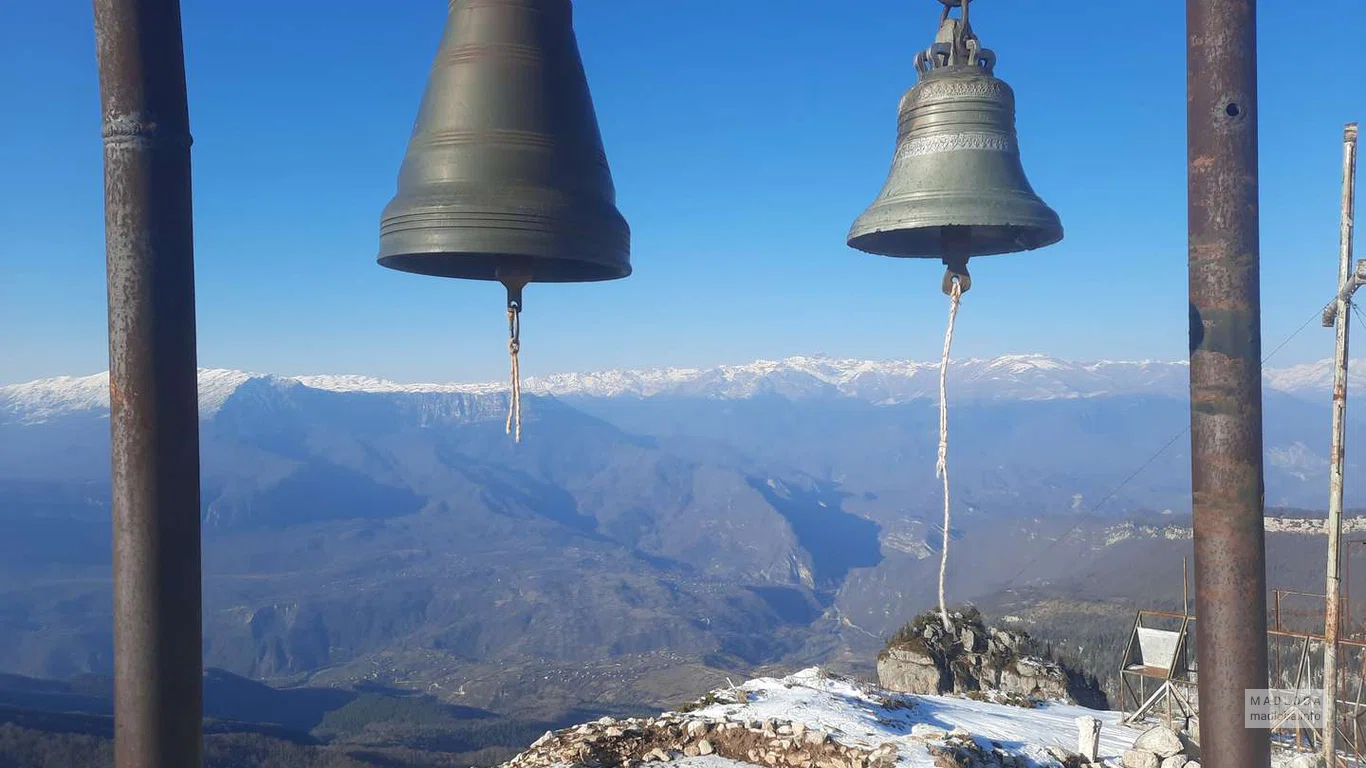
<point>744,136</point>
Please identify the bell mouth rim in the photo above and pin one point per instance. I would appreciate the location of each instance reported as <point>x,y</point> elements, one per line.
<point>483,266</point>
<point>876,242</point>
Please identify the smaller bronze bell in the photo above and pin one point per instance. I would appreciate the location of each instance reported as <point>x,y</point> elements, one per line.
<point>956,188</point>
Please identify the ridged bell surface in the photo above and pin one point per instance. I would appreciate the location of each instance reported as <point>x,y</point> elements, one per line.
<point>505,167</point>
<point>956,187</point>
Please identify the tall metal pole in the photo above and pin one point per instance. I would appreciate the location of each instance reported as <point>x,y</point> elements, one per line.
<point>1226,381</point>
<point>152,384</point>
<point>1342,317</point>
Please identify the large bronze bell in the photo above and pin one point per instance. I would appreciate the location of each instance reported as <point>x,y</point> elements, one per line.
<point>505,173</point>
<point>956,188</point>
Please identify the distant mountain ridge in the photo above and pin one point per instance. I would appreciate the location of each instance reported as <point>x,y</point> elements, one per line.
<point>1009,377</point>
<point>651,527</point>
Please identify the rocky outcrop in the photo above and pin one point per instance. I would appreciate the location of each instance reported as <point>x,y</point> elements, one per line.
<point>924,658</point>
<point>813,719</point>
<point>637,741</point>
<point>771,743</point>
<point>911,670</point>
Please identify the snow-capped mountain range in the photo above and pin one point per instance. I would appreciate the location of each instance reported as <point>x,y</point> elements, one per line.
<point>1010,377</point>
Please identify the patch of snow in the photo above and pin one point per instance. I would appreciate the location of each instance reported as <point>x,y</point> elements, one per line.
<point>1316,377</point>
<point>350,383</point>
<point>856,715</point>
<point>38,401</point>
<point>216,385</point>
<point>1296,458</point>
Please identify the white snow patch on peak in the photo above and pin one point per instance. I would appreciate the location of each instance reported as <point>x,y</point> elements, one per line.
<point>1313,377</point>
<point>1008,377</point>
<point>216,385</point>
<point>856,714</point>
<point>356,383</point>
<point>37,401</point>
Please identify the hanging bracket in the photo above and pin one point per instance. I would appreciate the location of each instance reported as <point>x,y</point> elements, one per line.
<point>514,277</point>
<point>957,270</point>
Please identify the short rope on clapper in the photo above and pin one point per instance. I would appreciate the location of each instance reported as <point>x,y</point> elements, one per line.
<point>515,389</point>
<point>941,467</point>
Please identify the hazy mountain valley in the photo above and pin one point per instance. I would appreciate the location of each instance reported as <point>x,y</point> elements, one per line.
<point>655,532</point>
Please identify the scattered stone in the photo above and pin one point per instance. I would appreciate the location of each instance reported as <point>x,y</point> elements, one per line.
<point>1176,761</point>
<point>1137,758</point>
<point>636,742</point>
<point>1161,741</point>
<point>1088,738</point>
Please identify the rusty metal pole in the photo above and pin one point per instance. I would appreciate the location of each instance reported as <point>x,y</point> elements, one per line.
<point>1226,381</point>
<point>152,384</point>
<point>1342,322</point>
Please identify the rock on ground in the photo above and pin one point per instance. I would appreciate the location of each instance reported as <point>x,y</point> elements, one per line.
<point>1138,758</point>
<point>926,659</point>
<point>1161,741</point>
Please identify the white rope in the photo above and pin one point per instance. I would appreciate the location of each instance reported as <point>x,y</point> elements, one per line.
<point>941,466</point>
<point>515,389</point>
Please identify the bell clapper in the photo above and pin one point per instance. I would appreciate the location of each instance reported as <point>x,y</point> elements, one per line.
<point>514,279</point>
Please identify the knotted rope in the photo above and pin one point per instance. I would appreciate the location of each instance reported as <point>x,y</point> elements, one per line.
<point>941,466</point>
<point>514,347</point>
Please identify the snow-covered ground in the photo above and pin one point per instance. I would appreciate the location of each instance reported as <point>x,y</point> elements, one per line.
<point>856,716</point>
<point>813,718</point>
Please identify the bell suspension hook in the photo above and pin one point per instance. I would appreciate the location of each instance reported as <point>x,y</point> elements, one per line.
<point>514,278</point>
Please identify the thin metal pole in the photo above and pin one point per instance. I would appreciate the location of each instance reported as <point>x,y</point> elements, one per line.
<point>1226,382</point>
<point>1332,605</point>
<point>152,384</point>
<point>1185,586</point>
